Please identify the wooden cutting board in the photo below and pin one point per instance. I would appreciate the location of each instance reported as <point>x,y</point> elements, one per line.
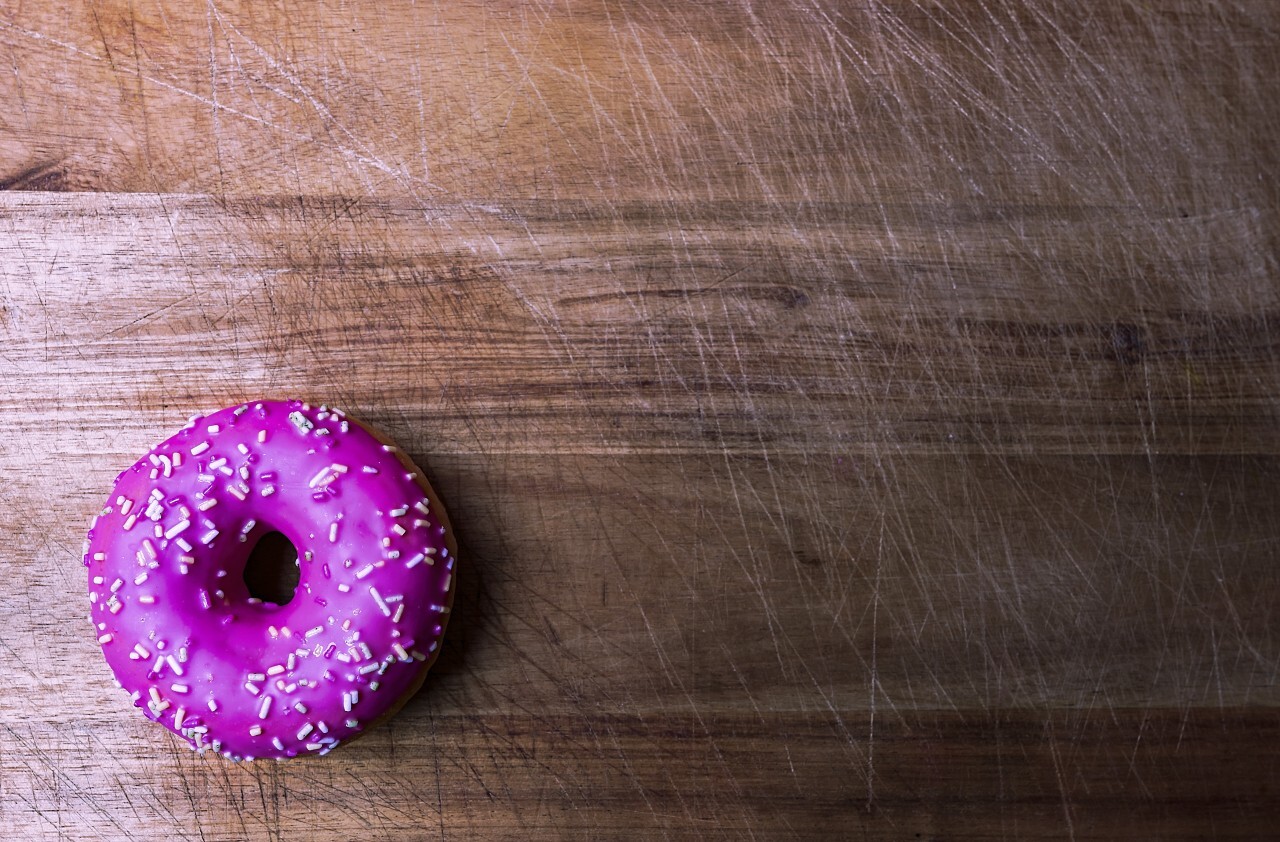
<point>860,418</point>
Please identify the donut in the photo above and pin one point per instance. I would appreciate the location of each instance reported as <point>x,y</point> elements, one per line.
<point>238,674</point>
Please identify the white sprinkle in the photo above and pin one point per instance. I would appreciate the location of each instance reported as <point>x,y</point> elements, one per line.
<point>416,560</point>
<point>115,586</point>
<point>106,638</point>
<point>257,676</point>
<point>275,741</point>
<point>149,548</point>
<point>364,571</point>
<point>337,468</point>
<point>315,480</point>
<point>208,504</point>
<point>421,506</point>
<point>247,528</point>
<point>351,723</point>
<point>255,730</point>
<point>241,447</point>
<point>268,491</point>
<point>304,730</point>
<point>226,471</point>
<point>369,469</point>
<point>275,669</point>
<point>400,512</point>
<point>301,422</point>
<point>389,448</point>
<point>265,707</point>
<point>378,599</point>
<point>126,506</point>
<point>184,546</point>
<point>168,465</point>
<point>177,459</point>
<point>130,521</point>
<point>147,599</point>
<point>173,665</point>
<point>140,578</point>
<point>177,529</point>
<point>313,632</point>
<point>419,523</point>
<point>398,529</point>
<point>368,668</point>
<point>141,651</point>
<point>114,605</point>
<point>343,587</point>
<point>400,653</point>
<point>333,533</point>
<point>178,717</point>
<point>251,687</point>
<point>217,463</point>
<point>299,707</point>
<point>213,428</point>
<point>399,613</point>
<point>244,472</point>
<point>213,706</point>
<point>235,492</point>
<point>99,556</point>
<point>204,599</point>
<point>179,688</point>
<point>208,537</point>
<point>206,477</point>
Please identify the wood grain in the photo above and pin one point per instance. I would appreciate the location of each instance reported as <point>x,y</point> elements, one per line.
<point>859,419</point>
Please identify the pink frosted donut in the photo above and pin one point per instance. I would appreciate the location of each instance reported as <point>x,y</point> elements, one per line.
<point>247,678</point>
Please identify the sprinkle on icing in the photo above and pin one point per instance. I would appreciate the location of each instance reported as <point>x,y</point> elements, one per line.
<point>175,621</point>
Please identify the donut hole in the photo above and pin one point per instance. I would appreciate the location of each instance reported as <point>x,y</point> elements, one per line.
<point>271,572</point>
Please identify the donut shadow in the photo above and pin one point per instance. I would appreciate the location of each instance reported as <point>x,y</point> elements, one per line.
<point>467,616</point>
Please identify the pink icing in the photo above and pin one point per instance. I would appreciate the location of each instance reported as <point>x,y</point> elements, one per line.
<point>249,679</point>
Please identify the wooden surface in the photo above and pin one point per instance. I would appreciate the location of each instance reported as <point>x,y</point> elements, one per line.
<point>860,419</point>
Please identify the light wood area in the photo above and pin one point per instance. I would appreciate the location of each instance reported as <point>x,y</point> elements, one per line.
<point>859,419</point>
